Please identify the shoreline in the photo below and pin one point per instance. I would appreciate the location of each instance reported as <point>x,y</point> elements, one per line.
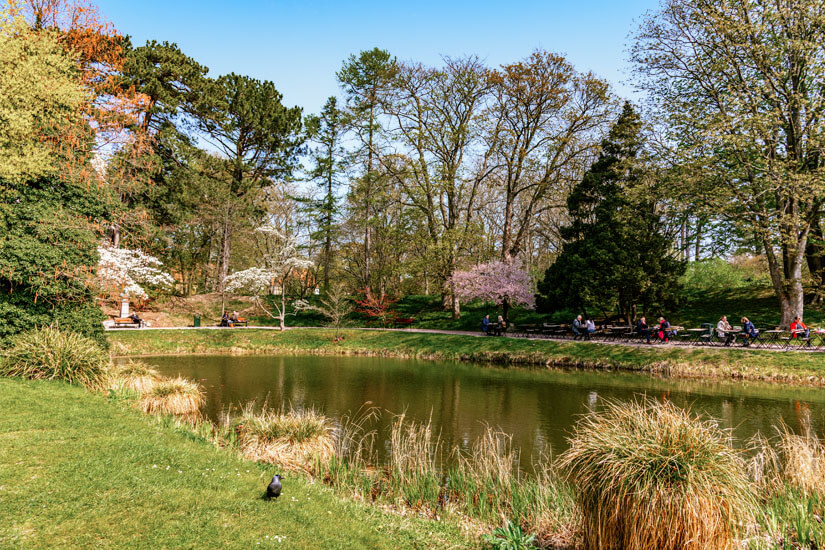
<point>684,363</point>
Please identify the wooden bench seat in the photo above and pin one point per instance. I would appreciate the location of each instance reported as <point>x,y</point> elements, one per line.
<point>126,322</point>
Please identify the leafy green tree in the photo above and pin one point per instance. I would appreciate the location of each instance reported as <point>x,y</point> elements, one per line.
<point>327,130</point>
<point>614,254</point>
<point>738,86</point>
<point>365,79</point>
<point>257,139</point>
<point>48,212</point>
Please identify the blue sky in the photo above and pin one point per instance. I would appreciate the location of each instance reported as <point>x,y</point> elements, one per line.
<point>300,45</point>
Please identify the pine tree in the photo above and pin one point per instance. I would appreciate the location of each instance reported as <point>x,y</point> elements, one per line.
<point>615,255</point>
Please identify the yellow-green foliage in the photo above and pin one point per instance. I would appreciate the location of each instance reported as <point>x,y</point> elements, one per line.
<point>39,91</point>
<point>653,476</point>
<point>50,354</point>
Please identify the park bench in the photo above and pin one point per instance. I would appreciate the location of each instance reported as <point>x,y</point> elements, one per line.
<point>126,322</point>
<point>403,322</point>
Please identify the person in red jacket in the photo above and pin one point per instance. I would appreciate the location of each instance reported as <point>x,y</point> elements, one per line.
<point>798,327</point>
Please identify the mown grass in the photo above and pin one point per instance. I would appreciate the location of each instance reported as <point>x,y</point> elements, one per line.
<point>793,367</point>
<point>79,472</point>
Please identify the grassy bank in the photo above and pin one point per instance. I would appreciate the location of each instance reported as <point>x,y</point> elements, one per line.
<point>82,472</point>
<point>792,367</point>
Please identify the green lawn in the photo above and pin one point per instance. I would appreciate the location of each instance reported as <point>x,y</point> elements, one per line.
<point>704,362</point>
<point>80,471</point>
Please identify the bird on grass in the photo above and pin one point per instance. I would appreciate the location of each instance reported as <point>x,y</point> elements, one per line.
<point>273,490</point>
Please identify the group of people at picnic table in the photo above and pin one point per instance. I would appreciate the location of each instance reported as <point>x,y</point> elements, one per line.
<point>664,331</point>
<point>495,329</point>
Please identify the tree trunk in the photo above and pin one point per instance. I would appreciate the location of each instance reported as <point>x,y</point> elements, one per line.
<point>226,246</point>
<point>505,307</point>
<point>283,306</point>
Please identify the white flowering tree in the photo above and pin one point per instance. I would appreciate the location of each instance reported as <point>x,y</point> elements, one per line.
<point>123,271</point>
<point>281,259</point>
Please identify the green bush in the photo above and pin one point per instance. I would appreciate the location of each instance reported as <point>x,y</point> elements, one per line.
<point>652,476</point>
<point>49,354</point>
<point>510,537</point>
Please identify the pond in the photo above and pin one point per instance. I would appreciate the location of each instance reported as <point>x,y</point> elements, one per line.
<point>538,407</point>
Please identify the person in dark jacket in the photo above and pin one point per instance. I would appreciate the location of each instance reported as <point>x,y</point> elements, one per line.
<point>642,329</point>
<point>749,331</point>
<point>485,324</point>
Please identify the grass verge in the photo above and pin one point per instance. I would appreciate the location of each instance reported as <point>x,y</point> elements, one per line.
<point>81,473</point>
<point>787,367</point>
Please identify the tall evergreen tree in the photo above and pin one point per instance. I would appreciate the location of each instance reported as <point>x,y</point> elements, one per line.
<point>614,255</point>
<point>327,131</point>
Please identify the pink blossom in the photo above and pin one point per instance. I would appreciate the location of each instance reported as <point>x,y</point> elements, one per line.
<point>496,282</point>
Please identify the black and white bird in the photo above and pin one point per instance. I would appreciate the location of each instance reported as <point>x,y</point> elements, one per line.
<point>273,490</point>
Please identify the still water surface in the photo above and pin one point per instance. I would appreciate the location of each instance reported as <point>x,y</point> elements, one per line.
<point>538,407</point>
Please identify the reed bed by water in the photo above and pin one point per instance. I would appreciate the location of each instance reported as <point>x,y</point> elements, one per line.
<point>50,354</point>
<point>173,396</point>
<point>652,476</point>
<point>133,375</point>
<point>292,438</point>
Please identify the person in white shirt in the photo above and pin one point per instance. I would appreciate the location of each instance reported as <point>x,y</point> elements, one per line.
<point>724,330</point>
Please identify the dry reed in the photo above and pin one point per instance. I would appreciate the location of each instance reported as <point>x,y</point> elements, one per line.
<point>294,439</point>
<point>134,375</point>
<point>652,476</point>
<point>176,396</point>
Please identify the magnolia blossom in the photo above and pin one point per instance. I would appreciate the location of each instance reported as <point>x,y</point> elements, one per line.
<point>127,269</point>
<point>280,259</point>
<point>495,282</point>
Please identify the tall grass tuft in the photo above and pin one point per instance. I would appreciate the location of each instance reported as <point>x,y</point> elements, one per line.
<point>653,476</point>
<point>294,439</point>
<point>50,354</point>
<point>133,375</point>
<point>176,396</point>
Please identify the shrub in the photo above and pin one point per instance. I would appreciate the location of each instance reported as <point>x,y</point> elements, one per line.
<point>49,354</point>
<point>294,439</point>
<point>177,396</point>
<point>510,537</point>
<point>653,476</point>
<point>133,375</point>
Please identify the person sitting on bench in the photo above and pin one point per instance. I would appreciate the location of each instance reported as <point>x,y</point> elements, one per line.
<point>485,323</point>
<point>724,330</point>
<point>579,330</point>
<point>799,330</point>
<point>642,329</point>
<point>749,331</point>
<point>501,326</point>
<point>225,320</point>
<point>233,319</point>
<point>136,319</point>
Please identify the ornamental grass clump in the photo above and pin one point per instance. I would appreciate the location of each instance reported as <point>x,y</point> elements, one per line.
<point>50,354</point>
<point>652,476</point>
<point>294,439</point>
<point>176,396</point>
<point>134,375</point>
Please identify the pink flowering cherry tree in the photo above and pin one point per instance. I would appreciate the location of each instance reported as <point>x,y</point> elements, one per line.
<point>502,283</point>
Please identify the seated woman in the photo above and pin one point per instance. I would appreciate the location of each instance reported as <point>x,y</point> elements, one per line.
<point>724,330</point>
<point>501,326</point>
<point>233,319</point>
<point>664,330</point>
<point>799,329</point>
<point>136,319</point>
<point>749,331</point>
<point>225,319</point>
